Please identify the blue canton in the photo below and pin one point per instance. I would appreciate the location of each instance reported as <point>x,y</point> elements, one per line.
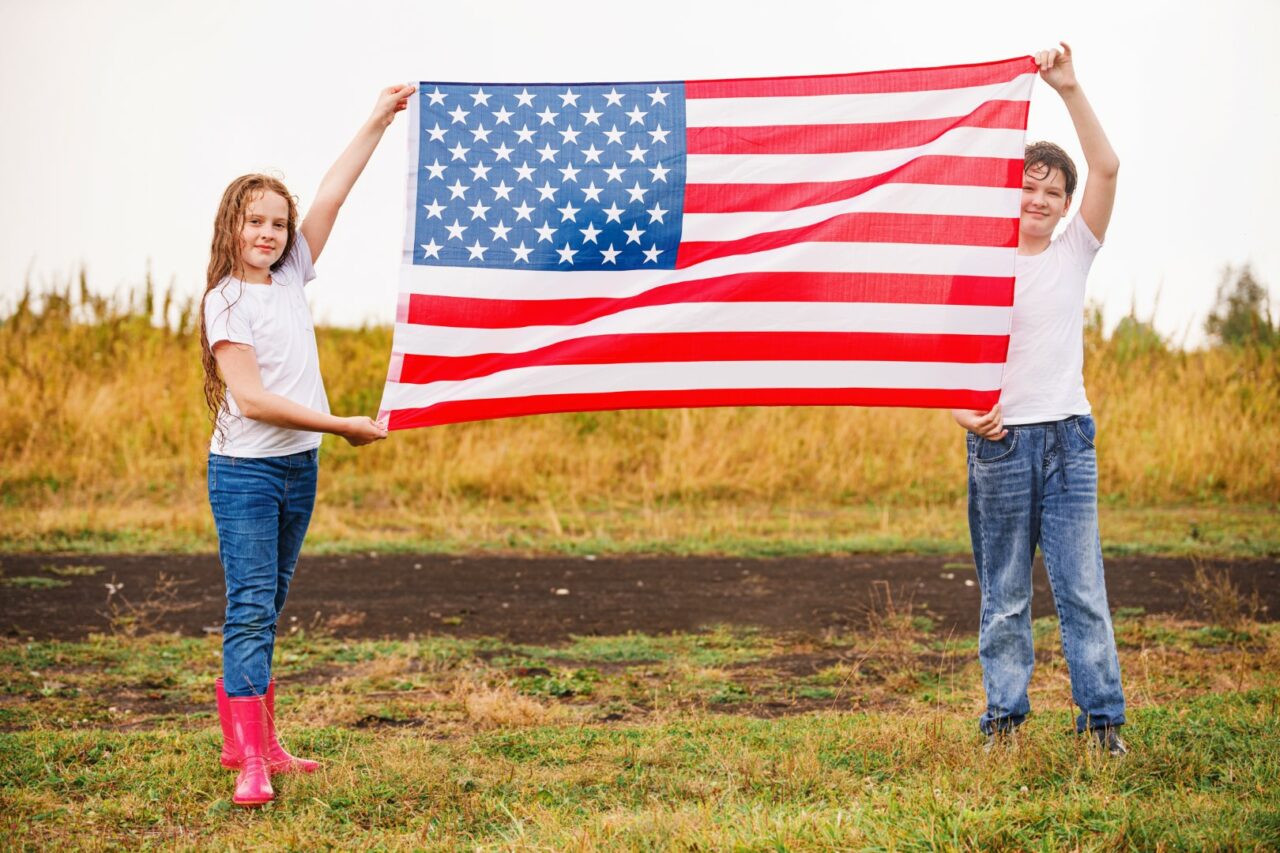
<point>550,177</point>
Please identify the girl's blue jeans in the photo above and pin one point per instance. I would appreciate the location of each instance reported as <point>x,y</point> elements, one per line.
<point>261,508</point>
<point>1038,486</point>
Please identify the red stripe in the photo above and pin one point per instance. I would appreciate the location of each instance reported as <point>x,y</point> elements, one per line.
<point>839,138</point>
<point>870,82</point>
<point>897,288</point>
<point>715,346</point>
<point>910,228</point>
<point>510,407</point>
<point>945,170</point>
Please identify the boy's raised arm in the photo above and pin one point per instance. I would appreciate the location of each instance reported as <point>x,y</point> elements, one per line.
<point>1058,70</point>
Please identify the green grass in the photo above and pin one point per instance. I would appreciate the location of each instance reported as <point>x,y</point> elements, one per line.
<point>721,739</point>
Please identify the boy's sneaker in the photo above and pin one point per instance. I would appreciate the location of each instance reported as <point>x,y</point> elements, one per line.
<point>1108,739</point>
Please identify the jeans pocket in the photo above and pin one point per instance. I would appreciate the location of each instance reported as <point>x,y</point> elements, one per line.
<point>987,451</point>
<point>1087,430</point>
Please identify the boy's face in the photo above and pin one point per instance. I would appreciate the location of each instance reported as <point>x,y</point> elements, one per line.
<point>1044,201</point>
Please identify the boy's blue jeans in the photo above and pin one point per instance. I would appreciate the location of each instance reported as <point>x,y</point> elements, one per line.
<point>261,508</point>
<point>1039,486</point>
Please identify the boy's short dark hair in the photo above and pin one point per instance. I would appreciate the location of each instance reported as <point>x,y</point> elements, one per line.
<point>1050,157</point>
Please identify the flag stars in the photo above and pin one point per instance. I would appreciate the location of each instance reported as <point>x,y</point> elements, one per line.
<point>547,116</point>
<point>659,173</point>
<point>500,231</point>
<point>568,213</point>
<point>524,134</point>
<point>656,213</point>
<point>614,135</point>
<point>502,116</point>
<point>477,251</point>
<point>459,153</point>
<point>566,254</point>
<point>613,99</point>
<point>524,172</point>
<point>502,152</point>
<point>570,135</point>
<point>456,230</point>
<point>637,153</point>
<point>437,97</point>
<point>637,116</point>
<point>659,135</point>
<point>610,255</point>
<point>480,98</point>
<point>502,191</point>
<point>480,171</point>
<point>570,173</point>
<point>524,211</point>
<point>434,210</point>
<point>592,154</point>
<point>569,99</point>
<point>547,153</point>
<point>613,213</point>
<point>657,96</point>
<point>591,116</point>
<point>589,233</point>
<point>546,232</point>
<point>524,99</point>
<point>436,133</point>
<point>634,233</point>
<point>436,169</point>
<point>459,115</point>
<point>478,210</point>
<point>637,193</point>
<point>614,172</point>
<point>591,192</point>
<point>458,190</point>
<point>651,254</point>
<point>431,249</point>
<point>521,253</point>
<point>546,192</point>
<point>480,134</point>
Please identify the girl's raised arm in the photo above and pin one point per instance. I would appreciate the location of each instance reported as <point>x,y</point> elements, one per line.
<point>342,174</point>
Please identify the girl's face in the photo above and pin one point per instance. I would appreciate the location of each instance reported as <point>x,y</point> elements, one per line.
<point>263,236</point>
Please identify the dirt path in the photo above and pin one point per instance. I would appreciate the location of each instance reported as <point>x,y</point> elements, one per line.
<point>544,600</point>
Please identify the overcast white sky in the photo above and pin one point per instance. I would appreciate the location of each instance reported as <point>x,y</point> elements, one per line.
<point>123,121</point>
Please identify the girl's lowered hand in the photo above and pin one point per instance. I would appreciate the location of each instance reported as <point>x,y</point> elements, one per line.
<point>391,100</point>
<point>359,431</point>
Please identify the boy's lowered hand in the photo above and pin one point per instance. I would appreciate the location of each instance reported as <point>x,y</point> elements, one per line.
<point>988,425</point>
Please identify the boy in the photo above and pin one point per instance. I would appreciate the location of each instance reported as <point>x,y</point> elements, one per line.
<point>1032,467</point>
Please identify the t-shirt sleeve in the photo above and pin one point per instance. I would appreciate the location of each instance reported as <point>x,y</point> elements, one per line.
<point>227,320</point>
<point>1078,243</point>
<point>298,262</point>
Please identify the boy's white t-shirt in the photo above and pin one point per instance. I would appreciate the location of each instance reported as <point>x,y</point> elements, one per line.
<point>275,320</point>
<point>1044,373</point>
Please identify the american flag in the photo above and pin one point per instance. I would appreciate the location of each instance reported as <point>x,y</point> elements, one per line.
<point>830,240</point>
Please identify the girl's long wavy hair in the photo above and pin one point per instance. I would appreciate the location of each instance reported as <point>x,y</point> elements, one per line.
<point>224,260</point>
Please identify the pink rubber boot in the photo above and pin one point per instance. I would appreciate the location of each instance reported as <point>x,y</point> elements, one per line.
<point>249,728</point>
<point>282,761</point>
<point>230,755</point>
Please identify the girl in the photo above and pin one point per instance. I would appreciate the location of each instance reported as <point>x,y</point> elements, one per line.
<point>263,387</point>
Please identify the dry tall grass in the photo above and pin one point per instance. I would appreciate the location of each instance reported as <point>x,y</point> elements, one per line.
<point>100,408</point>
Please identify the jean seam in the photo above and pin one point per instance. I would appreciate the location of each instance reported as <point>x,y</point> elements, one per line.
<point>1013,445</point>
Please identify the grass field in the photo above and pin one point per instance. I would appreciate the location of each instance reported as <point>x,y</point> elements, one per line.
<point>720,740</point>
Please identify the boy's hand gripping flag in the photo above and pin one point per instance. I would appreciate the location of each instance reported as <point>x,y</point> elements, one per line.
<point>837,240</point>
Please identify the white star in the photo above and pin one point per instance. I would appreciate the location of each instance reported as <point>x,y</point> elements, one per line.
<point>525,134</point>
<point>633,233</point>
<point>458,152</point>
<point>525,172</point>
<point>459,114</point>
<point>569,134</point>
<point>657,96</point>
<point>592,154</point>
<point>480,133</point>
<point>436,133</point>
<point>569,99</point>
<point>615,135</point>
<point>477,251</point>
<point>637,153</point>
<point>524,99</point>
<point>547,116</point>
<point>613,213</point>
<point>437,97</point>
<point>546,192</point>
<point>591,116</point>
<point>592,192</point>
<point>568,212</point>
<point>522,252</point>
<point>656,214</point>
<point>502,191</point>
<point>458,190</point>
<point>455,230</point>
<point>478,210</point>
<point>523,211</point>
<point>502,152</point>
<point>610,255</point>
<point>547,152</point>
<point>481,171</point>
<point>566,254</point>
<point>502,116</point>
<point>434,210</point>
<point>651,254</point>
<point>659,173</point>
<point>589,233</point>
<point>436,169</point>
<point>480,98</point>
<point>570,173</point>
<point>637,116</point>
<point>636,193</point>
<point>431,249</point>
<point>659,135</point>
<point>499,230</point>
<point>613,99</point>
<point>614,172</point>
<point>546,232</point>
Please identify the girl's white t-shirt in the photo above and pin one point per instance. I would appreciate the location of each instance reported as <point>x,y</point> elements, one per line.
<point>1044,374</point>
<point>275,320</point>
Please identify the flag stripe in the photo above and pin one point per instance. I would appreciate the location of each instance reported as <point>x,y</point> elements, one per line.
<point>714,346</point>
<point>950,171</point>
<point>834,138</point>
<point>869,108</point>
<point>901,80</point>
<point>466,312</point>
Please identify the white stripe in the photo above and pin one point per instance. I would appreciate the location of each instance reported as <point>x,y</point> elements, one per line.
<point>920,259</point>
<point>871,108</point>
<point>697,375</point>
<point>413,167</point>
<point>847,165</point>
<point>910,318</point>
<point>887,198</point>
